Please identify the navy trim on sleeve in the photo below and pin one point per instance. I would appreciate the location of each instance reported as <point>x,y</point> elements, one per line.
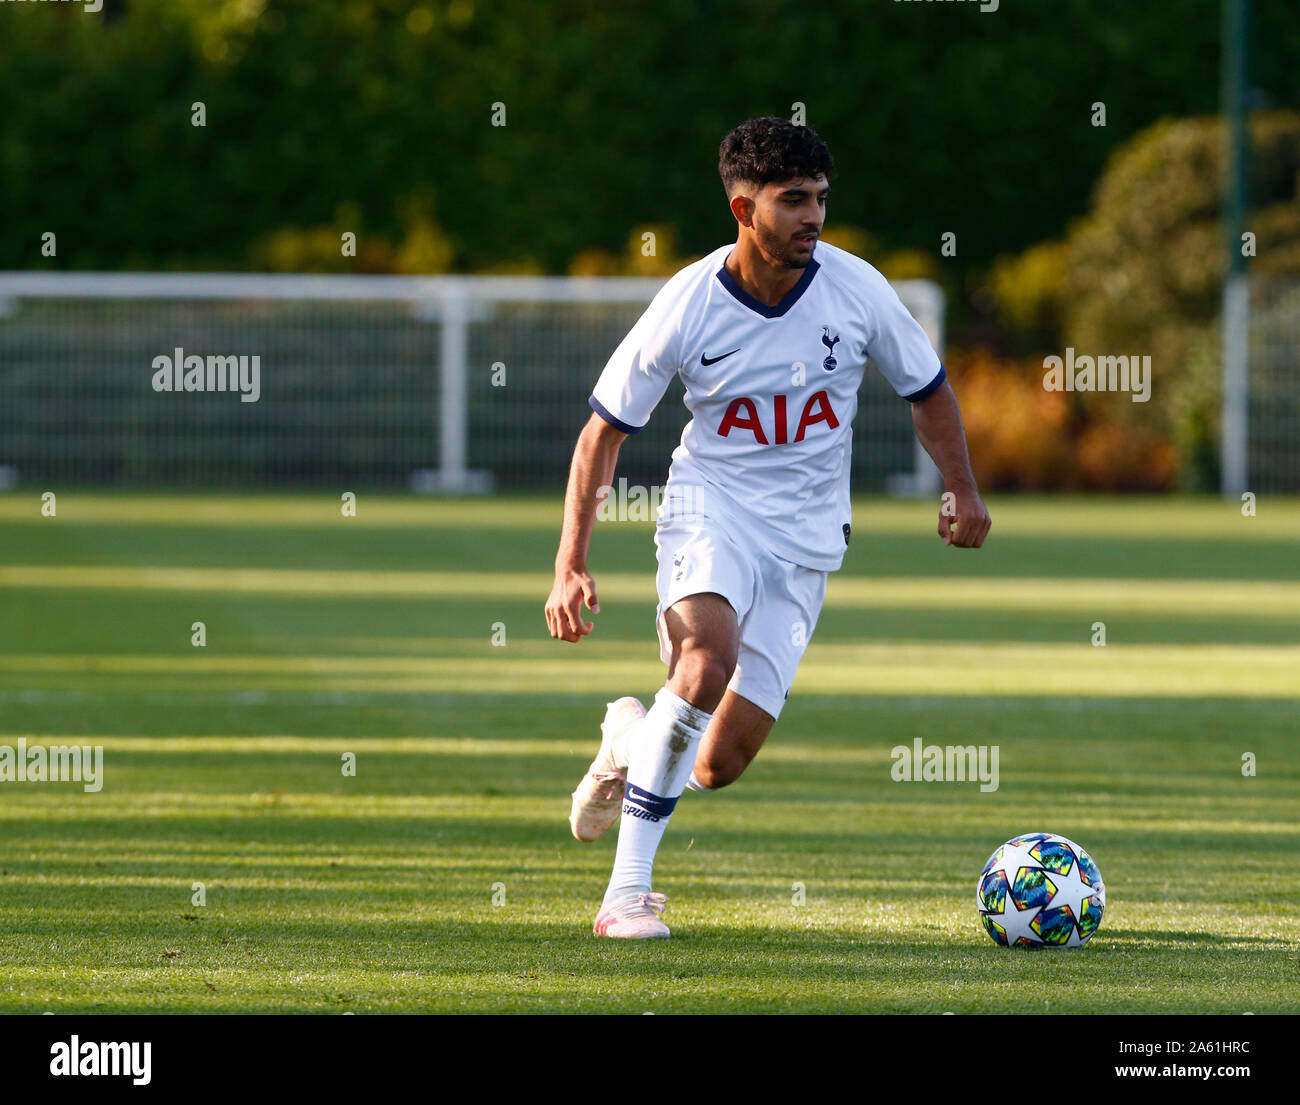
<point>929,388</point>
<point>618,424</point>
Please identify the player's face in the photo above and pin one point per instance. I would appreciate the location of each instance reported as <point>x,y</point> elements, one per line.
<point>788,219</point>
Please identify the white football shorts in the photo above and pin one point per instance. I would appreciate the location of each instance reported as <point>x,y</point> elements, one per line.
<point>776,601</point>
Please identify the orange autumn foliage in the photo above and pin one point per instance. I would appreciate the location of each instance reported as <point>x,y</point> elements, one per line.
<point>1025,438</point>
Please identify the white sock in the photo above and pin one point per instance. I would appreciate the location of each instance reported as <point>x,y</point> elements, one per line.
<point>661,759</point>
<point>694,784</point>
<point>620,746</point>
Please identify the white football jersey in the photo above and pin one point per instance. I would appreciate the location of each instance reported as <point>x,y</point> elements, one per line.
<point>772,392</point>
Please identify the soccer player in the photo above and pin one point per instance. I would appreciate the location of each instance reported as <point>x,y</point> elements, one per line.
<point>771,338</point>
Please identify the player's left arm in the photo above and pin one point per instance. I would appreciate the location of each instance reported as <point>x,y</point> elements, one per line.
<point>963,520</point>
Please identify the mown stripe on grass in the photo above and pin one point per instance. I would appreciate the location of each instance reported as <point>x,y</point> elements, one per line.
<point>279,512</point>
<point>1201,815</point>
<point>1172,517</point>
<point>279,744</point>
<point>878,668</point>
<point>1096,598</point>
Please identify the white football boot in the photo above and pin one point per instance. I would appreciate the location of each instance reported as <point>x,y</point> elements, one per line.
<point>634,918</point>
<point>598,801</point>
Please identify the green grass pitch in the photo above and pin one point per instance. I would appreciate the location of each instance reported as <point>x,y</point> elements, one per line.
<point>374,635</point>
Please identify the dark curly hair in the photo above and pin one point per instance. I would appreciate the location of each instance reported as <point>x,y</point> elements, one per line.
<point>769,149</point>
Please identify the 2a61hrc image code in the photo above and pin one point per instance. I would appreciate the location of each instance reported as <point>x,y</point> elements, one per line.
<point>1184,1047</point>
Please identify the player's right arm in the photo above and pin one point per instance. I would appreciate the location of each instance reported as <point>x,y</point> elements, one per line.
<point>629,389</point>
<point>592,469</point>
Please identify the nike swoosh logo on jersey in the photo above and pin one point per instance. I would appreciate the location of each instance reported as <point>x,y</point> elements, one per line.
<point>706,361</point>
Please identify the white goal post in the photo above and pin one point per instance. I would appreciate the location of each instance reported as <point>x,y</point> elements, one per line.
<point>455,304</point>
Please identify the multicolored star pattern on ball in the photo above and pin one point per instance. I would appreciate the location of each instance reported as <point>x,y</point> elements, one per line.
<point>1040,890</point>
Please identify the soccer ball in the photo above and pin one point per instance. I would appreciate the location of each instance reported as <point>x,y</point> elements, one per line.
<point>1040,890</point>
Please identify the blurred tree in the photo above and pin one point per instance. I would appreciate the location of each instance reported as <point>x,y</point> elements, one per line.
<point>1030,293</point>
<point>1145,268</point>
<point>943,119</point>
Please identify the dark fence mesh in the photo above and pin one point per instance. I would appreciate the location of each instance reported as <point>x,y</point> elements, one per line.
<point>1274,441</point>
<point>348,392</point>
